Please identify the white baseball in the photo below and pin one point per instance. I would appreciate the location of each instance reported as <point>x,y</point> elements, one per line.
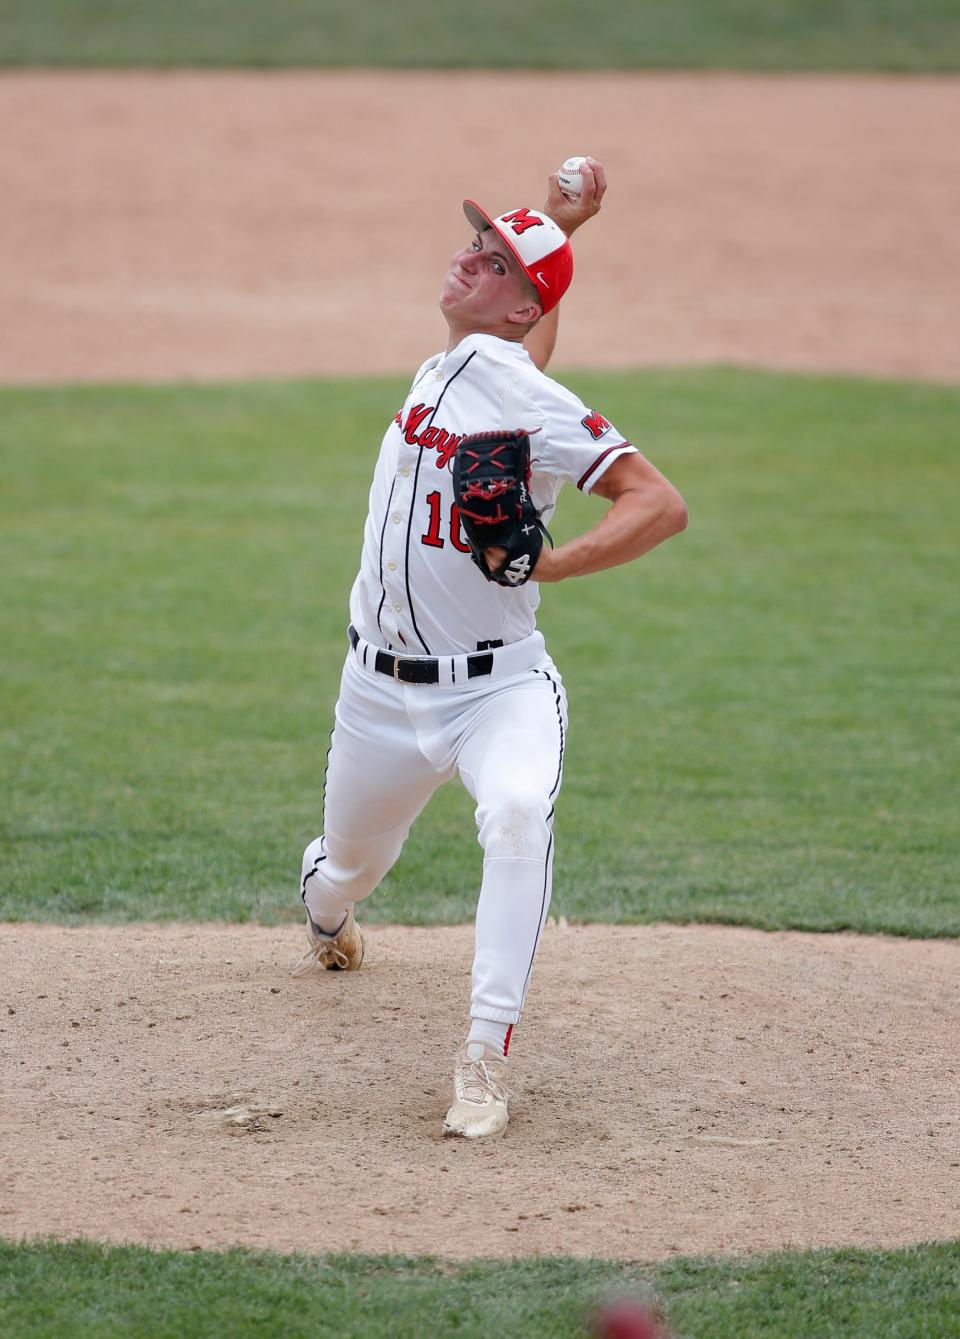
<point>570,178</point>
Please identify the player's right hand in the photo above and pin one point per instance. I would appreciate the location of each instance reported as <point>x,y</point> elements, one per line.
<point>570,214</point>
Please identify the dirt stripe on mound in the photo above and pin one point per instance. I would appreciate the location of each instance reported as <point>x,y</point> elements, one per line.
<point>204,225</point>
<point>678,1089</point>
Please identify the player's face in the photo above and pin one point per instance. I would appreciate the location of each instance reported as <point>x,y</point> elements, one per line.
<point>484,284</point>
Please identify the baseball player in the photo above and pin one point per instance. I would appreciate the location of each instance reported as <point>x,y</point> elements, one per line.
<point>446,673</point>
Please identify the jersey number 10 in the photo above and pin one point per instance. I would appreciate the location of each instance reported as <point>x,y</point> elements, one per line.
<point>433,536</point>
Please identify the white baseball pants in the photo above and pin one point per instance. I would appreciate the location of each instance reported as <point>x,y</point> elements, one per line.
<point>394,744</point>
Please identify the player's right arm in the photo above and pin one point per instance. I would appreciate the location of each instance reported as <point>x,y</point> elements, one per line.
<point>569,214</point>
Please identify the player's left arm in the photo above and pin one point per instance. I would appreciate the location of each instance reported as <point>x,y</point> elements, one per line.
<point>569,215</point>
<point>646,509</point>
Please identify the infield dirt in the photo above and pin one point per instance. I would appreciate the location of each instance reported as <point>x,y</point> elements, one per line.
<point>677,1089</point>
<point>188,225</point>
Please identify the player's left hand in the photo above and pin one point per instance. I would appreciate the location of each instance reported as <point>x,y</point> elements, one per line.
<point>495,556</point>
<point>544,568</point>
<point>570,214</point>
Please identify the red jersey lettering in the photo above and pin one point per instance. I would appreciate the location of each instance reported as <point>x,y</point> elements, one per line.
<point>416,416</point>
<point>432,438</point>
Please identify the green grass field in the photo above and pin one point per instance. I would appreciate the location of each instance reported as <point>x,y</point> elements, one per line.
<point>909,35</point>
<point>764,713</point>
<point>79,1290</point>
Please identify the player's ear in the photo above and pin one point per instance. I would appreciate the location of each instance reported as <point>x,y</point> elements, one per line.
<point>526,315</point>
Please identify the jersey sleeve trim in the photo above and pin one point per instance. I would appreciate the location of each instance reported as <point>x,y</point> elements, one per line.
<point>590,477</point>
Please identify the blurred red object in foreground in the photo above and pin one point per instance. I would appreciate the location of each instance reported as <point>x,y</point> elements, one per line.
<point>630,1318</point>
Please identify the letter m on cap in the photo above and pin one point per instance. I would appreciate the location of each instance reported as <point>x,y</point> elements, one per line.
<point>521,220</point>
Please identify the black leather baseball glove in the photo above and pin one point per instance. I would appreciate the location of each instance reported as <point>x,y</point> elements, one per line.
<point>491,485</point>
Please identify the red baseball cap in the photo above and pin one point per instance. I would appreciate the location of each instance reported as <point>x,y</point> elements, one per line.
<point>540,246</point>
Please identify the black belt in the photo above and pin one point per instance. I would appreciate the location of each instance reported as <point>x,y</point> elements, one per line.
<point>421,669</point>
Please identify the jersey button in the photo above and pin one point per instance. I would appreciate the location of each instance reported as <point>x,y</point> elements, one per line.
<point>398,607</point>
<point>392,566</point>
<point>397,518</point>
<point>405,473</point>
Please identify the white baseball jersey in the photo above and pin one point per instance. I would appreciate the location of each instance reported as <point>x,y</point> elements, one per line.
<point>418,592</point>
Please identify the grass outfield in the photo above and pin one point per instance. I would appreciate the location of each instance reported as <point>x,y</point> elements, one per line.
<point>915,35</point>
<point>764,713</point>
<point>76,1290</point>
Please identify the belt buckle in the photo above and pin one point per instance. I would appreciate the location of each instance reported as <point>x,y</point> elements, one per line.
<point>398,662</point>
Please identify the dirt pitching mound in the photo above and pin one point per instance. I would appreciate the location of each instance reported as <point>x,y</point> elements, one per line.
<point>677,1089</point>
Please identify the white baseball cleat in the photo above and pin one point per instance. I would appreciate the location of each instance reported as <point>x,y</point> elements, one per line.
<point>480,1095</point>
<point>342,953</point>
